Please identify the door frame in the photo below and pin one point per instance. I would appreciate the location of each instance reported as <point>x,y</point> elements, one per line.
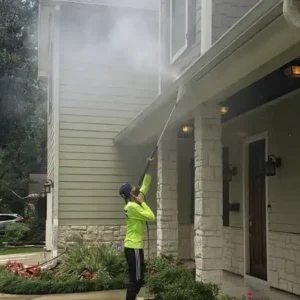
<point>247,141</point>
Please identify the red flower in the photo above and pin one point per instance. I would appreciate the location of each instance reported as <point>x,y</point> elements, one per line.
<point>250,296</point>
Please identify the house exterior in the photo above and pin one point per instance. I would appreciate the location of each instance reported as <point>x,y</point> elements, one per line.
<point>215,199</point>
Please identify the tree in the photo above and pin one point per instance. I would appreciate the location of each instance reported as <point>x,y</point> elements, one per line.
<point>23,125</point>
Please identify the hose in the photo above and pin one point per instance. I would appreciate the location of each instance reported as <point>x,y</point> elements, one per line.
<point>46,262</point>
<point>148,270</point>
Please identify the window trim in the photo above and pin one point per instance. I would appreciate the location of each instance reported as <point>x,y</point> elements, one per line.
<point>185,46</point>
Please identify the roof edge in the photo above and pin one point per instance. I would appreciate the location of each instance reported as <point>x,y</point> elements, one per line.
<point>253,22</point>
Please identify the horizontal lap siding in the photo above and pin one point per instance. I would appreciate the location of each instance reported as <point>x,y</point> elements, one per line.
<point>226,13</point>
<point>97,100</point>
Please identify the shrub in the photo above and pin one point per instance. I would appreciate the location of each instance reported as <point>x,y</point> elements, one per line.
<point>103,260</point>
<point>47,284</point>
<point>159,281</point>
<point>160,263</point>
<point>171,280</point>
<point>82,269</point>
<point>16,233</point>
<point>188,290</point>
<point>36,234</point>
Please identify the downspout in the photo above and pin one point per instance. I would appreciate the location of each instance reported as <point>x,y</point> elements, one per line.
<point>291,12</point>
<point>56,69</point>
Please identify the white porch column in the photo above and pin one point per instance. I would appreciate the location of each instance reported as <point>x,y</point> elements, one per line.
<point>208,194</point>
<point>167,220</point>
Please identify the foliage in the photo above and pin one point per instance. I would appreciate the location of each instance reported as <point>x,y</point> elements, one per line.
<point>82,269</point>
<point>17,268</point>
<point>23,126</point>
<point>13,284</point>
<point>158,281</point>
<point>37,231</point>
<point>104,260</point>
<point>158,264</point>
<point>178,282</point>
<point>188,290</point>
<point>226,297</point>
<point>16,233</point>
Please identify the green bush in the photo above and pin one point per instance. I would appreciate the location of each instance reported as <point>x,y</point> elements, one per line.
<point>16,233</point>
<point>13,284</point>
<point>188,290</point>
<point>174,281</point>
<point>36,234</point>
<point>159,281</point>
<point>83,269</point>
<point>226,297</point>
<point>161,262</point>
<point>105,260</point>
<point>178,282</point>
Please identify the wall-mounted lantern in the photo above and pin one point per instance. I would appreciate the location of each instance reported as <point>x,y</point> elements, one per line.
<point>272,164</point>
<point>292,71</point>
<point>47,186</point>
<point>187,129</point>
<point>224,110</point>
<point>229,172</point>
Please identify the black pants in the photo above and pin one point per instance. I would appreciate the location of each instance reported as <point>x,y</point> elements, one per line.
<point>136,265</point>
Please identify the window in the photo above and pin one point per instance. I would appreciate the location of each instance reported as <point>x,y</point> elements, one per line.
<point>225,156</point>
<point>6,218</point>
<point>178,28</point>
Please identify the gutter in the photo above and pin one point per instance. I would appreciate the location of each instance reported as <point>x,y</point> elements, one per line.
<point>253,22</point>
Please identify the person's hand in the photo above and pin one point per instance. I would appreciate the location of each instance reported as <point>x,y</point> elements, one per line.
<point>137,198</point>
<point>149,160</point>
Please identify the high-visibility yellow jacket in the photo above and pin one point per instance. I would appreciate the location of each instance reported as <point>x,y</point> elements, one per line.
<point>136,216</point>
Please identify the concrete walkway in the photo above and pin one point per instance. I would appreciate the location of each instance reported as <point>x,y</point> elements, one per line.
<point>110,295</point>
<point>26,258</point>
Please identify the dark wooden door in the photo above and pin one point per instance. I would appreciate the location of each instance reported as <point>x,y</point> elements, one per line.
<point>257,210</point>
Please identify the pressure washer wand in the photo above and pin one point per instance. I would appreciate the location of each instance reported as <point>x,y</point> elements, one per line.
<point>152,155</point>
<point>154,151</point>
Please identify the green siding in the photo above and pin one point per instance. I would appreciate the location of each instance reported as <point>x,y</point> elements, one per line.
<point>281,122</point>
<point>97,100</point>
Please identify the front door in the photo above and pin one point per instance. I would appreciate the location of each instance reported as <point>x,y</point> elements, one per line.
<point>257,210</point>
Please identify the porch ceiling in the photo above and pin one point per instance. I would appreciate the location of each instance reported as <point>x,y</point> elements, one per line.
<point>258,44</point>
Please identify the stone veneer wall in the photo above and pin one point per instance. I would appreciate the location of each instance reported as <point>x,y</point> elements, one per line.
<point>284,261</point>
<point>91,235</point>
<point>233,250</point>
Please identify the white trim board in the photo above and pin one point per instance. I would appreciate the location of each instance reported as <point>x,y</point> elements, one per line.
<point>247,141</point>
<point>56,70</point>
<point>174,57</point>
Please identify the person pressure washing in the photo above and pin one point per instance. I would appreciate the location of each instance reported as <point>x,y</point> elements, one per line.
<point>137,213</point>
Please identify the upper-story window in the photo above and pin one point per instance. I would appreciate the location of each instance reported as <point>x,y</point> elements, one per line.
<point>178,28</point>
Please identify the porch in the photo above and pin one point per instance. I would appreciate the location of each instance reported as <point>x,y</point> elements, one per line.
<point>236,286</point>
<point>255,231</point>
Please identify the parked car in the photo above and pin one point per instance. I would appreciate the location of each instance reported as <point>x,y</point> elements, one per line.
<point>6,219</point>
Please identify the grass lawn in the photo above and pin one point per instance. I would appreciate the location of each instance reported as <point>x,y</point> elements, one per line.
<point>6,251</point>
